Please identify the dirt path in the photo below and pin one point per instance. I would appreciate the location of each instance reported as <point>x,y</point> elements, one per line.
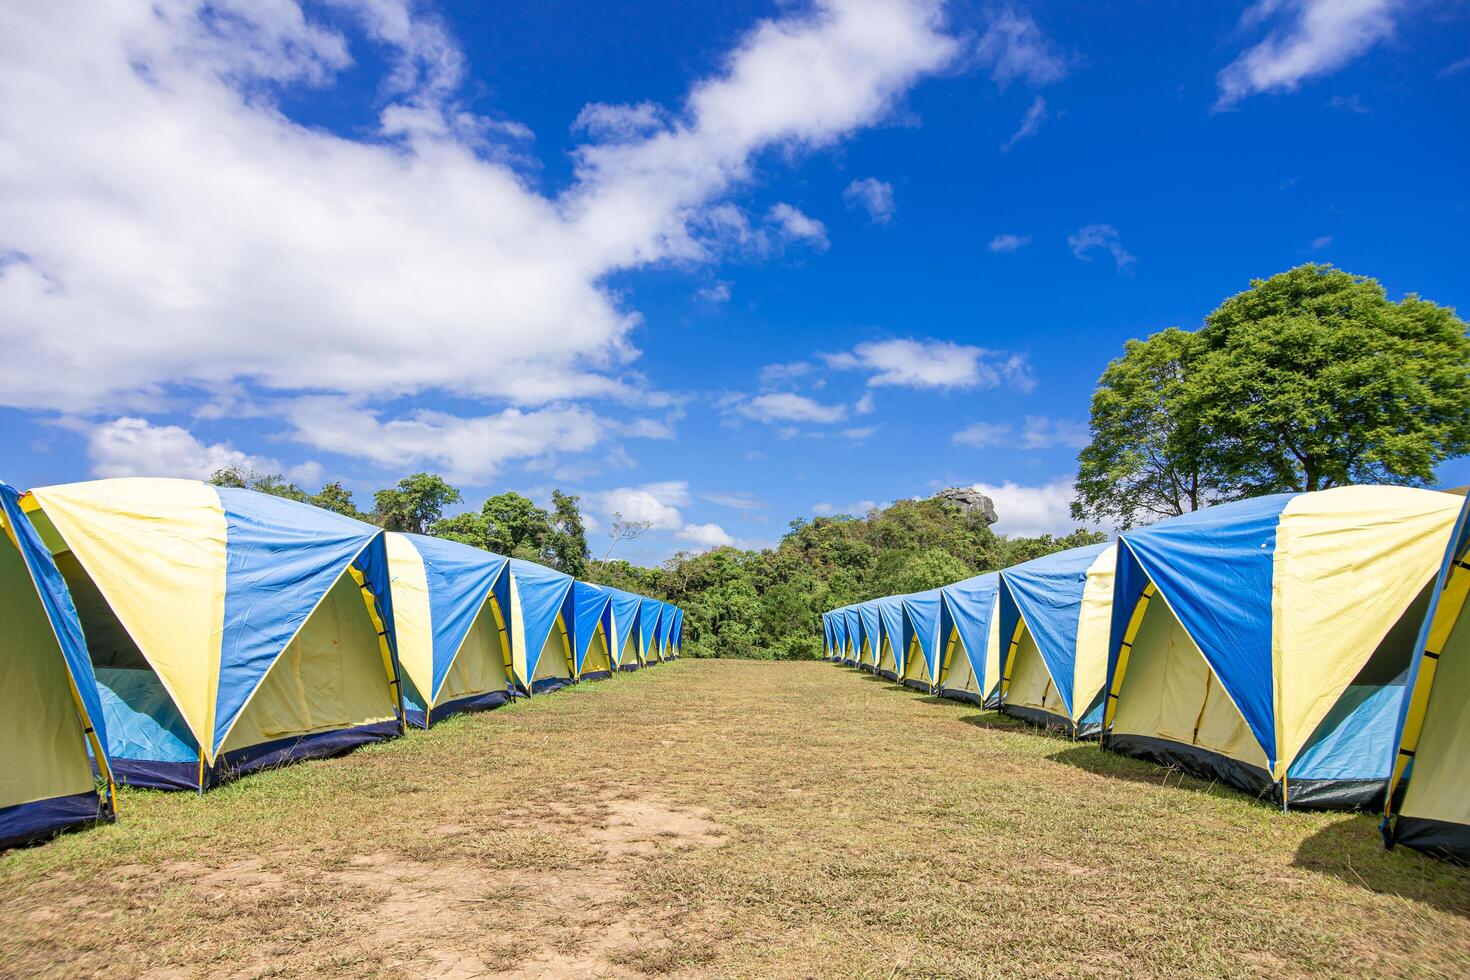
<point>727,819</point>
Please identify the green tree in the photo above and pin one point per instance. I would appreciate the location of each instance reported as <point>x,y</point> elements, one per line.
<point>929,570</point>
<point>336,498</point>
<point>1148,458</point>
<point>1314,378</point>
<point>516,527</point>
<point>244,478</point>
<point>415,504</point>
<point>567,542</point>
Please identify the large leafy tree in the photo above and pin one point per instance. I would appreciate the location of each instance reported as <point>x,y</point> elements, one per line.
<point>567,542</point>
<point>415,504</point>
<point>1314,378</point>
<point>1148,458</point>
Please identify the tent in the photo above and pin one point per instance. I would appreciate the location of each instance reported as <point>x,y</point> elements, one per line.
<point>837,630</point>
<point>1433,815</point>
<point>678,634</point>
<point>666,631</point>
<point>542,621</point>
<point>229,630</point>
<point>920,643</point>
<point>969,636</point>
<point>890,629</point>
<point>1054,618</point>
<point>648,615</point>
<point>625,607</point>
<point>450,604</point>
<point>827,636</point>
<point>866,635</point>
<point>1276,658</point>
<point>593,627</point>
<point>49,709</point>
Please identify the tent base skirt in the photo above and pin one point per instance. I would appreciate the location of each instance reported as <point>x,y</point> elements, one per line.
<point>888,675</point>
<point>26,823</point>
<point>960,694</point>
<point>1437,838</point>
<point>1335,794</point>
<point>1197,762</point>
<point>1051,721</point>
<point>918,685</point>
<point>628,668</point>
<point>596,675</point>
<point>470,702</point>
<point>148,774</point>
<point>546,685</point>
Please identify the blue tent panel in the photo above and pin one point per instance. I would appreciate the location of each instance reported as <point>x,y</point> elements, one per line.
<point>282,556</point>
<point>460,578</point>
<point>648,614</point>
<point>593,608</point>
<point>1047,593</point>
<point>890,615</point>
<point>869,630</point>
<point>625,606</point>
<point>1214,569</point>
<point>967,609</point>
<point>545,594</point>
<point>921,619</point>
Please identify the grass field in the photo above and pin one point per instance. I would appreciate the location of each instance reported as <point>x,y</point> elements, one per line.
<point>727,818</point>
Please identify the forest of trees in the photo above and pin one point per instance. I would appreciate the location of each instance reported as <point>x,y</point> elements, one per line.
<point>1308,380</point>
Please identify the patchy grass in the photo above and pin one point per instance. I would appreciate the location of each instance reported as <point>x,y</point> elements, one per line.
<point>728,818</point>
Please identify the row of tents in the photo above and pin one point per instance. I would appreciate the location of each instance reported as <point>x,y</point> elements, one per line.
<point>1305,647</point>
<point>170,634</point>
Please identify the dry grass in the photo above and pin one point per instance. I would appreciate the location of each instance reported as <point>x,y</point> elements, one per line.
<point>728,819</point>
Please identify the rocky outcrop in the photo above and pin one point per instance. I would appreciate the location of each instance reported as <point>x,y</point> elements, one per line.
<point>971,501</point>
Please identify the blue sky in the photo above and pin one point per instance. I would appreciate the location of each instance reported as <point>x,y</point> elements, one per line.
<point>711,268</point>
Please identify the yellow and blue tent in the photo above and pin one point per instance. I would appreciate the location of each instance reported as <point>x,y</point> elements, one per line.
<point>666,631</point>
<point>827,643</point>
<point>50,712</point>
<point>1054,618</point>
<point>838,626</point>
<point>450,612</point>
<point>648,621</point>
<point>890,631</point>
<point>865,633</point>
<point>1433,814</point>
<point>229,630</point>
<point>920,642</point>
<point>592,631</point>
<point>625,606</point>
<point>969,634</point>
<point>676,636</point>
<point>1266,642</point>
<point>542,620</point>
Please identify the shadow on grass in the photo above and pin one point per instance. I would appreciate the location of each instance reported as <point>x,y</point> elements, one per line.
<point>994,721</point>
<point>1090,757</point>
<point>1352,850</point>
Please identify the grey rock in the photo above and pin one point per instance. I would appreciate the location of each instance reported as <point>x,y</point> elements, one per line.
<point>971,501</point>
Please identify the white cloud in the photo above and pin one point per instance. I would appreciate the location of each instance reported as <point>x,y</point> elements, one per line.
<point>217,242</point>
<point>740,500</point>
<point>614,123</point>
<point>1014,48</point>
<point>716,294</point>
<point>1030,123</point>
<point>1090,237</point>
<point>784,375</point>
<point>865,404</point>
<point>872,195</point>
<point>785,406</point>
<point>1321,242</point>
<point>1309,38</point>
<point>856,509</point>
<point>707,536</point>
<point>1350,103</point>
<point>1009,243</point>
<point>794,226</point>
<point>934,364</point>
<point>1454,68</point>
<point>130,446</point>
<point>647,429</point>
<point>1025,511</point>
<point>859,433</point>
<point>656,503</point>
<point>1037,432</point>
<point>467,450</point>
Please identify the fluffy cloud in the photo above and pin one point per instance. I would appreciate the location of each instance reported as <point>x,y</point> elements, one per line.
<point>1009,243</point>
<point>1014,48</point>
<point>1030,123</point>
<point>784,406</point>
<point>1090,237</point>
<point>466,450</point>
<point>934,364</point>
<point>873,196</point>
<point>857,508</point>
<point>656,503</point>
<point>130,446</point>
<point>794,226</point>
<point>1038,432</point>
<point>1026,511</point>
<point>1309,38</point>
<point>707,536</point>
<point>716,294</point>
<point>784,375</point>
<point>217,242</point>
